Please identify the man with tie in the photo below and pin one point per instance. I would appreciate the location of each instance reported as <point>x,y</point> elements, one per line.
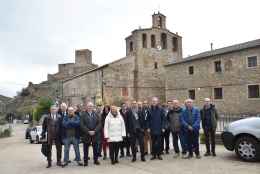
<point>90,125</point>
<point>52,126</point>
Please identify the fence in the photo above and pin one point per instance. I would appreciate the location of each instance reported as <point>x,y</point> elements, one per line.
<point>225,119</point>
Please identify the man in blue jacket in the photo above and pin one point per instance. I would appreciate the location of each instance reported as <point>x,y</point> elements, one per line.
<point>190,123</point>
<point>71,135</point>
<point>156,126</point>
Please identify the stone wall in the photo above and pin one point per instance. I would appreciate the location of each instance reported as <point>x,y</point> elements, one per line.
<point>234,80</point>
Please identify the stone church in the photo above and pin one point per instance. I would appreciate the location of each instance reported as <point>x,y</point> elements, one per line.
<point>154,66</point>
<point>139,75</point>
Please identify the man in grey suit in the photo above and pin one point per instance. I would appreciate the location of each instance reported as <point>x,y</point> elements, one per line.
<point>90,126</point>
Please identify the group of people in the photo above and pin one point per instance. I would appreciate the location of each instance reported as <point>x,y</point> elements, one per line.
<point>132,128</point>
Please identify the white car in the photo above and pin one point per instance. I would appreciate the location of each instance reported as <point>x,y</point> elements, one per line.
<point>243,136</point>
<point>35,134</point>
<point>26,122</point>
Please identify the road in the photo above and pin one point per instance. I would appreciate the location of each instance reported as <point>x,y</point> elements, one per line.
<point>18,156</point>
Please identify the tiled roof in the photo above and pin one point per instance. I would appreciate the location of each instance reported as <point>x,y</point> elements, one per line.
<point>229,49</point>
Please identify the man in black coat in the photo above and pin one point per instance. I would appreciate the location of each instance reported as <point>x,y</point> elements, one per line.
<point>52,125</point>
<point>156,124</point>
<point>90,125</point>
<point>135,126</point>
<point>209,117</point>
<point>126,140</point>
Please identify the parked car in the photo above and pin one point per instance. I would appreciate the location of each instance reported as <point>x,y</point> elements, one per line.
<point>35,134</point>
<point>27,133</point>
<point>243,136</point>
<point>26,122</point>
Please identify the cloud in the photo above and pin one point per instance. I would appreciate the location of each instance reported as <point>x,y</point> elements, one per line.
<point>36,35</point>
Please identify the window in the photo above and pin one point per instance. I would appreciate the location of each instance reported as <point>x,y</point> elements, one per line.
<point>252,61</point>
<point>192,94</point>
<point>131,46</point>
<point>218,66</point>
<point>153,41</point>
<point>144,40</point>
<point>253,91</point>
<point>191,70</point>
<point>124,91</point>
<point>164,41</point>
<point>159,21</point>
<point>174,44</point>
<point>155,65</point>
<point>218,93</point>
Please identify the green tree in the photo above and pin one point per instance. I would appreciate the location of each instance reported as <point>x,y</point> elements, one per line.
<point>43,107</point>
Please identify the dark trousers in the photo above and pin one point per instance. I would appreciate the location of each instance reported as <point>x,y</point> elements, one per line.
<point>58,151</point>
<point>156,145</point>
<point>175,141</point>
<point>193,142</point>
<point>210,134</point>
<point>114,150</point>
<point>125,144</point>
<point>86,150</point>
<point>166,140</point>
<point>137,136</point>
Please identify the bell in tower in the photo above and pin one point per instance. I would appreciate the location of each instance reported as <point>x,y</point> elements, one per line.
<point>159,20</point>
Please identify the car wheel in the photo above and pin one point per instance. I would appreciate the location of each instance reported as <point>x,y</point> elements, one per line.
<point>247,148</point>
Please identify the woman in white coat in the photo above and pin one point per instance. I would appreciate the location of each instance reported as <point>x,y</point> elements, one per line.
<point>114,131</point>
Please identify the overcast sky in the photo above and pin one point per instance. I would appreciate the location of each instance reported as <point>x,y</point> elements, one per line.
<point>36,35</point>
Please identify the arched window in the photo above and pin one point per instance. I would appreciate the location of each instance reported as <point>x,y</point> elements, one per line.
<point>174,44</point>
<point>155,65</point>
<point>144,39</point>
<point>153,41</point>
<point>164,41</point>
<point>131,46</point>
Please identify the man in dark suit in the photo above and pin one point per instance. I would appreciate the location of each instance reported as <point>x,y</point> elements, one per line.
<point>135,126</point>
<point>52,126</point>
<point>90,125</point>
<point>156,127</point>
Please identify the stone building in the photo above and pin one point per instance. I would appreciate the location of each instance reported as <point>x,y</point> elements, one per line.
<point>230,76</point>
<point>154,66</point>
<point>139,75</point>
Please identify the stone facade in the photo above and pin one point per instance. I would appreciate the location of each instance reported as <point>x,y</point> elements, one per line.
<point>233,80</point>
<point>138,76</point>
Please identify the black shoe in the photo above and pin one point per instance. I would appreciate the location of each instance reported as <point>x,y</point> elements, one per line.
<point>97,163</point>
<point>214,154</point>
<point>79,163</point>
<point>143,159</point>
<point>113,162</point>
<point>207,154</point>
<point>159,157</point>
<point>116,161</point>
<point>85,163</point>
<point>49,165</point>
<point>198,156</point>
<point>65,164</point>
<point>59,164</point>
<point>153,158</point>
<point>134,159</point>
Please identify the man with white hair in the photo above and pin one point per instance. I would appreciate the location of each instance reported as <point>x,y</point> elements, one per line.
<point>209,117</point>
<point>90,124</point>
<point>190,122</point>
<point>156,126</point>
<point>52,125</point>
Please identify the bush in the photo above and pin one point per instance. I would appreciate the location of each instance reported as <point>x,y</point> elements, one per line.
<point>6,133</point>
<point>43,107</point>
